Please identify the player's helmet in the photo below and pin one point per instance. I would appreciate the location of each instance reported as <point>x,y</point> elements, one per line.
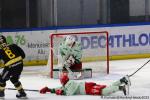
<point>69,40</point>
<point>3,42</point>
<point>2,39</point>
<point>64,78</point>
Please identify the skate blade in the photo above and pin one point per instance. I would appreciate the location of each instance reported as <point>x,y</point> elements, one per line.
<point>22,98</point>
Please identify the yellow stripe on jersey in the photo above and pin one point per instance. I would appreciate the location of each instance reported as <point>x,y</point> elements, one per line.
<point>13,61</point>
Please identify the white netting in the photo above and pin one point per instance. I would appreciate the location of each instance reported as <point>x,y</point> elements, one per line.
<point>94,46</point>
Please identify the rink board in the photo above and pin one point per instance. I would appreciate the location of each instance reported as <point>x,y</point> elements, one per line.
<point>126,41</point>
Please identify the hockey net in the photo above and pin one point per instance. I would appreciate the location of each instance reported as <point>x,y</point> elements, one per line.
<point>95,51</point>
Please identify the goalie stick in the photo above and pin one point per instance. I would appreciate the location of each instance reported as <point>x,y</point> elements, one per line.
<point>24,89</point>
<point>139,69</point>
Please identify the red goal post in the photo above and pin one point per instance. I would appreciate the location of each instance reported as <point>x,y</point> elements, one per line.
<point>94,46</point>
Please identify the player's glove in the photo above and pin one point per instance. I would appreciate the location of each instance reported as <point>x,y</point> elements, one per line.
<point>44,90</point>
<point>59,92</point>
<point>70,61</point>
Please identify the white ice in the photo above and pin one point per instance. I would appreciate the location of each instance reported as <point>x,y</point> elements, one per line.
<point>140,82</point>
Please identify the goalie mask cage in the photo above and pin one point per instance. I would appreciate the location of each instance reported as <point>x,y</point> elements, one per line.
<point>95,51</point>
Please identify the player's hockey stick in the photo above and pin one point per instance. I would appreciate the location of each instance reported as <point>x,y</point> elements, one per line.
<point>139,68</point>
<point>128,76</point>
<point>24,89</point>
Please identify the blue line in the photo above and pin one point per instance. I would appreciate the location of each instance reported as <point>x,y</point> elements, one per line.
<point>73,27</point>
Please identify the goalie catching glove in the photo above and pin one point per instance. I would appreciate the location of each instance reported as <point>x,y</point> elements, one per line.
<point>70,61</point>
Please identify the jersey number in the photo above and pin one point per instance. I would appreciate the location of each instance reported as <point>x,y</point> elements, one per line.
<point>9,54</point>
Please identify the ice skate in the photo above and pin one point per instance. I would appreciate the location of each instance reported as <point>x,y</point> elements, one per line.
<point>21,95</point>
<point>2,95</point>
<point>126,80</point>
<point>123,88</point>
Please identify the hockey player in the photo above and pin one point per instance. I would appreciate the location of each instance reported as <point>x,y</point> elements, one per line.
<point>70,87</point>
<point>71,53</point>
<point>12,56</point>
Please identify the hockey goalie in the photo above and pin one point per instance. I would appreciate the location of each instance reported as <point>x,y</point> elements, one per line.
<point>83,53</point>
<point>70,87</point>
<point>71,54</point>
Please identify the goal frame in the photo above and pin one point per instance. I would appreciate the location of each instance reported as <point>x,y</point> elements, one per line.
<point>75,33</point>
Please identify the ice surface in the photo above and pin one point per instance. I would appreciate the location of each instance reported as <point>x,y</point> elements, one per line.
<point>31,78</point>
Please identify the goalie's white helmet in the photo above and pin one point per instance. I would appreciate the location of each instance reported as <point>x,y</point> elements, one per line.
<point>69,40</point>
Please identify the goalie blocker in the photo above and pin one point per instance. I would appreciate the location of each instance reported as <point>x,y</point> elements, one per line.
<point>85,73</point>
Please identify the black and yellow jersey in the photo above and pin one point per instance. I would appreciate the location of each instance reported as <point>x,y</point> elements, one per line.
<point>11,54</point>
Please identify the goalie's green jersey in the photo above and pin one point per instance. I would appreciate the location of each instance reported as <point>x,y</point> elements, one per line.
<point>75,51</point>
